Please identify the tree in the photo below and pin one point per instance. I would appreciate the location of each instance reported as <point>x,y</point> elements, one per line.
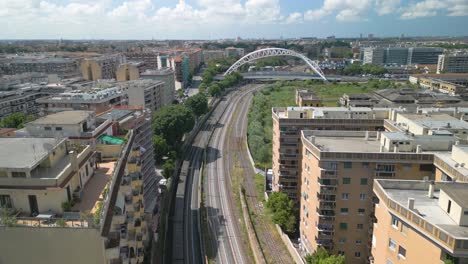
<point>214,90</point>
<point>284,212</point>
<point>198,104</point>
<point>168,168</point>
<point>16,120</point>
<point>172,122</point>
<point>321,256</point>
<point>353,69</point>
<point>161,147</point>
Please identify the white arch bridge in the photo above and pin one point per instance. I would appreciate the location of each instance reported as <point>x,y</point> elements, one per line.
<point>274,52</point>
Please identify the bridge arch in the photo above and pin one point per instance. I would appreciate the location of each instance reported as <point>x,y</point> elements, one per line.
<point>273,52</point>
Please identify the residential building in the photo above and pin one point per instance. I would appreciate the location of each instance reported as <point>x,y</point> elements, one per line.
<point>148,94</point>
<point>307,98</point>
<point>288,123</point>
<point>443,86</point>
<point>129,71</point>
<point>167,76</point>
<point>96,99</point>
<point>21,98</point>
<point>431,124</point>
<point>209,55</point>
<point>233,52</point>
<point>338,169</point>
<point>453,63</point>
<point>150,59</point>
<point>401,56</point>
<point>420,222</point>
<point>48,65</point>
<point>105,67</point>
<point>96,207</point>
<point>78,126</point>
<point>29,77</point>
<point>357,100</point>
<point>452,166</point>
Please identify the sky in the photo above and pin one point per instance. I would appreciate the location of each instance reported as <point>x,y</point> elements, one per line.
<point>215,19</point>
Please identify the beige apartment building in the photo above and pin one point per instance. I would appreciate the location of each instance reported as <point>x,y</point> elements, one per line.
<point>420,222</point>
<point>60,199</point>
<point>338,168</point>
<point>105,67</point>
<point>148,94</point>
<point>288,123</point>
<point>129,71</point>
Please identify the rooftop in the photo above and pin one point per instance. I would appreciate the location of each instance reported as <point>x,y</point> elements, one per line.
<point>346,143</point>
<point>22,153</point>
<point>428,208</point>
<point>63,118</point>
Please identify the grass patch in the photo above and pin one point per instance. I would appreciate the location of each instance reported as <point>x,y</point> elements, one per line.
<point>282,94</point>
<point>260,185</point>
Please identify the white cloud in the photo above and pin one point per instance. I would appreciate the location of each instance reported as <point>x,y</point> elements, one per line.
<point>428,8</point>
<point>346,10</point>
<point>294,18</point>
<point>384,7</point>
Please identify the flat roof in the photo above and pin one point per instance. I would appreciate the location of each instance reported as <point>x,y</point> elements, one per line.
<point>23,153</point>
<point>63,118</point>
<point>428,208</point>
<point>115,114</point>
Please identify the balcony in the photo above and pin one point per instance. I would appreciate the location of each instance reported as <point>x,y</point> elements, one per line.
<point>328,174</point>
<point>325,227</point>
<point>327,205</point>
<point>327,190</point>
<point>328,214</point>
<point>328,183</point>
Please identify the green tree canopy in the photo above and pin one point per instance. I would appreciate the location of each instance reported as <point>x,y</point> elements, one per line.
<point>198,104</point>
<point>172,122</point>
<point>168,168</point>
<point>321,256</point>
<point>16,120</point>
<point>214,90</point>
<point>283,210</point>
<point>161,147</point>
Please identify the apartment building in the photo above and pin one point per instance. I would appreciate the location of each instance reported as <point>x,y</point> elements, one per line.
<point>401,56</point>
<point>78,126</point>
<point>167,76</point>
<point>130,71</point>
<point>149,58</point>
<point>29,77</point>
<point>432,124</point>
<point>357,100</point>
<point>21,98</point>
<point>288,123</point>
<point>56,208</point>
<point>233,52</point>
<point>420,222</point>
<point>338,168</point>
<point>452,166</point>
<point>19,65</point>
<point>306,97</point>
<point>452,63</point>
<point>444,86</point>
<point>94,99</point>
<point>209,55</point>
<point>105,67</point>
<point>148,94</point>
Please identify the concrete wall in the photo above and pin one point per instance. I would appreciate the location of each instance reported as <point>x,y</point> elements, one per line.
<point>456,211</point>
<point>20,245</point>
<point>109,151</point>
<point>47,200</point>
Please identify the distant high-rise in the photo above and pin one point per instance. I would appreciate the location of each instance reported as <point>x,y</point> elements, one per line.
<point>452,63</point>
<point>401,56</point>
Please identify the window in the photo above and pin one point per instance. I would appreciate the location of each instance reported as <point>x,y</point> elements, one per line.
<point>345,196</point>
<point>363,181</point>
<point>449,206</point>
<point>5,201</point>
<point>365,164</point>
<point>346,180</point>
<point>341,253</point>
<point>361,211</point>
<point>395,222</point>
<point>47,128</point>
<point>391,244</point>
<point>358,242</point>
<point>343,226</point>
<point>342,240</point>
<point>348,165</point>
<point>18,174</point>
<point>58,129</point>
<point>360,226</point>
<point>404,228</point>
<point>357,254</point>
<point>401,252</point>
<point>363,196</point>
<point>344,210</point>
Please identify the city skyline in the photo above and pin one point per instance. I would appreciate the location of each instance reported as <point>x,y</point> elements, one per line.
<point>209,19</point>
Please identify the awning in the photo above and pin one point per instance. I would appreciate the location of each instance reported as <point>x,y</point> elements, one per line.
<point>111,140</point>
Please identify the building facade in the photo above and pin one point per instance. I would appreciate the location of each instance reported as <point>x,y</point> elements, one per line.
<point>452,63</point>
<point>105,67</point>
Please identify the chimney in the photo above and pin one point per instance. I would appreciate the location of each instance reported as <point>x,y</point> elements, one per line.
<point>74,160</point>
<point>367,135</point>
<point>430,192</point>
<point>418,149</point>
<point>411,203</point>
